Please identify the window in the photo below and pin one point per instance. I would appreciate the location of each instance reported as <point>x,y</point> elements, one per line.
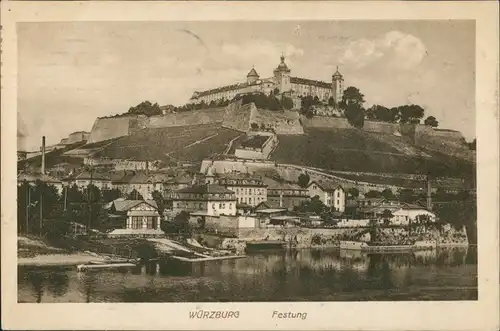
<point>314,187</point>
<point>136,222</point>
<point>249,191</point>
<point>213,205</point>
<point>220,205</point>
<point>151,222</point>
<point>338,194</point>
<point>201,206</point>
<point>250,200</point>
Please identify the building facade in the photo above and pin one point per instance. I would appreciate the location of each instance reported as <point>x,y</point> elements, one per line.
<point>281,82</point>
<point>284,195</point>
<point>332,195</point>
<point>249,190</point>
<point>208,199</point>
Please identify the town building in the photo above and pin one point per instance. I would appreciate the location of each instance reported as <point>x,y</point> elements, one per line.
<point>141,182</point>
<point>34,178</point>
<point>281,82</point>
<point>331,194</point>
<point>176,183</point>
<point>207,199</point>
<point>85,178</point>
<point>285,195</point>
<point>249,190</point>
<point>411,213</point>
<point>135,217</point>
<point>375,207</point>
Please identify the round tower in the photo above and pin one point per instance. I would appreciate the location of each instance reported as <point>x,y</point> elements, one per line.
<point>337,86</point>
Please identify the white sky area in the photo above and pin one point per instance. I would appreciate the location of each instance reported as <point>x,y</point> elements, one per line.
<point>71,73</point>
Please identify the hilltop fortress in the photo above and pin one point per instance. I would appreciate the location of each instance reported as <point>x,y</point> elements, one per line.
<point>280,83</point>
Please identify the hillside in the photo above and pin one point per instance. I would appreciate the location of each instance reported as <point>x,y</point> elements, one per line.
<point>357,150</point>
<point>186,143</point>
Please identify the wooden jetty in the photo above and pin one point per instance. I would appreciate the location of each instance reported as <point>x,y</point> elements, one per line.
<point>101,266</point>
<point>206,259</point>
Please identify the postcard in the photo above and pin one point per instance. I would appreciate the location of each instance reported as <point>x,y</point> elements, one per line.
<point>250,165</point>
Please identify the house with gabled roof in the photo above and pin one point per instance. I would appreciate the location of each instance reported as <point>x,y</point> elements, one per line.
<point>330,193</point>
<point>135,217</point>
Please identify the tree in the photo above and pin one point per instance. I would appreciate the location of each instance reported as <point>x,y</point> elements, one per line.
<point>472,145</point>
<point>352,104</point>
<point>353,192</point>
<point>181,220</point>
<point>387,215</point>
<point>287,103</point>
<point>431,121</point>
<point>254,126</point>
<point>134,195</point>
<point>410,113</point>
<point>407,195</point>
<point>373,194</point>
<point>29,199</point>
<point>381,113</point>
<point>146,108</point>
<point>303,180</point>
<point>387,193</point>
<point>315,205</point>
<point>93,194</point>
<point>331,102</point>
<point>160,201</point>
<point>110,194</point>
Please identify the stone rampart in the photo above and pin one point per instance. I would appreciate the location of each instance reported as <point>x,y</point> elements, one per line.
<point>196,117</point>
<point>325,122</point>
<point>237,117</point>
<point>108,128</point>
<point>381,127</point>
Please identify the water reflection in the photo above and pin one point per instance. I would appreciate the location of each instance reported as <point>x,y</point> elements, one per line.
<point>300,275</point>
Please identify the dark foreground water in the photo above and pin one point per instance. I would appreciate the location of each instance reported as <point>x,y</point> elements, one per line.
<point>304,275</point>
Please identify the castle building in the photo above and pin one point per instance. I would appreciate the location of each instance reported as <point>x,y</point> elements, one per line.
<point>281,82</point>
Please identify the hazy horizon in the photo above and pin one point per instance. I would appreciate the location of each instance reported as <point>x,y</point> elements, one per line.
<point>71,73</point>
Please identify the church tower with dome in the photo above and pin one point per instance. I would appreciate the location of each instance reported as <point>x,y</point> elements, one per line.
<point>282,76</point>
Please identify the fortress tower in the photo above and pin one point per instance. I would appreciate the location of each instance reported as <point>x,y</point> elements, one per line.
<point>282,76</point>
<point>337,86</point>
<point>252,76</point>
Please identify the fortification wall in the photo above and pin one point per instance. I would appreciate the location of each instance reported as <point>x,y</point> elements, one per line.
<point>108,128</point>
<point>325,122</point>
<point>381,127</point>
<point>196,117</point>
<point>237,117</point>
<point>287,122</point>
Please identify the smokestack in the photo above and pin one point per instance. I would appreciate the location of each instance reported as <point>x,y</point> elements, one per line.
<point>429,193</point>
<point>281,199</point>
<point>43,155</point>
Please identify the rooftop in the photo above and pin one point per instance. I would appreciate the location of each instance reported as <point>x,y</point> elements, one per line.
<point>206,189</point>
<point>326,186</point>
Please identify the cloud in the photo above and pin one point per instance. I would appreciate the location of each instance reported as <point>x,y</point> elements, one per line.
<point>395,48</point>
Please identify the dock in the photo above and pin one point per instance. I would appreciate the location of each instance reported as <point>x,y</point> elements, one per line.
<point>209,258</point>
<point>265,244</point>
<point>100,266</point>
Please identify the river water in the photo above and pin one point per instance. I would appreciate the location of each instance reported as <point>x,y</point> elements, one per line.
<point>302,275</point>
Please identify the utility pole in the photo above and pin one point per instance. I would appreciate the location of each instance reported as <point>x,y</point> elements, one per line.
<point>27,205</point>
<point>65,197</point>
<point>89,200</point>
<point>42,184</point>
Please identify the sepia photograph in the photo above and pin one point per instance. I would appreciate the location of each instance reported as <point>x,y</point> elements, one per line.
<point>239,161</point>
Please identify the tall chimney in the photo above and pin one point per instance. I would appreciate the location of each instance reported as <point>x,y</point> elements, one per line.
<point>43,155</point>
<point>429,193</point>
<point>281,199</point>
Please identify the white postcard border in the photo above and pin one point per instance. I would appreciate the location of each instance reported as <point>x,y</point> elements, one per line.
<point>465,315</point>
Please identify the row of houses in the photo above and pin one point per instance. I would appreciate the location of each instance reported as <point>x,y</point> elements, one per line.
<point>248,190</point>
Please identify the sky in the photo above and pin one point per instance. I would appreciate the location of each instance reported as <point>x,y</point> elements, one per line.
<point>69,73</point>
